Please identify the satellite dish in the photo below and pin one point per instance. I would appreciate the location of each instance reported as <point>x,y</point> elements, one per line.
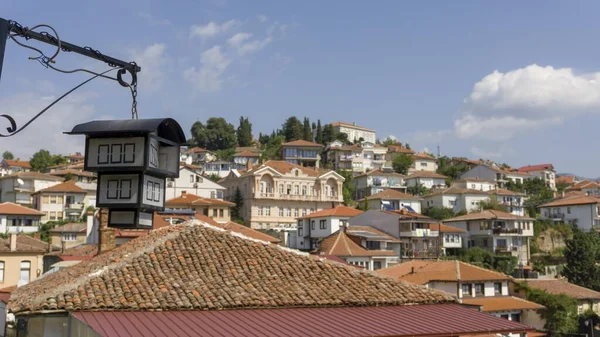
<point>20,181</point>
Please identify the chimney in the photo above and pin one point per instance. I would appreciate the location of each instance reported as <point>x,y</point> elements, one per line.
<point>107,239</point>
<point>63,246</point>
<point>412,270</point>
<point>13,242</point>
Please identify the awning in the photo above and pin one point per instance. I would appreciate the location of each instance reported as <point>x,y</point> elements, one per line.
<point>408,320</point>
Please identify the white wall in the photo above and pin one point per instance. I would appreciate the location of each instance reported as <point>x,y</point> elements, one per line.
<point>385,222</point>
<point>480,171</point>
<point>584,214</point>
<point>424,165</point>
<point>186,181</point>
<point>427,182</point>
<point>475,185</point>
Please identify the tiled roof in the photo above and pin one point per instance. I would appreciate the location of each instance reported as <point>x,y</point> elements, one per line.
<point>488,214</point>
<point>565,179</point>
<point>468,161</point>
<point>454,190</point>
<point>85,250</point>
<point>70,228</point>
<point>69,186</point>
<point>423,272</point>
<point>391,194</point>
<point>574,200</point>
<point>504,303</point>
<point>351,125</point>
<point>189,200</point>
<point>540,167</point>
<point>346,148</point>
<point>445,228</point>
<point>399,149</point>
<point>302,143</point>
<point>247,154</point>
<point>17,163</point>
<point>25,244</point>
<point>248,148</point>
<point>247,231</point>
<point>195,266</point>
<point>340,244</point>
<point>32,175</point>
<point>339,211</point>
<point>557,287</point>
<point>374,233</point>
<point>381,173</point>
<point>424,156</point>
<point>75,156</point>
<point>584,184</point>
<point>73,172</point>
<point>506,170</point>
<point>502,191</point>
<point>284,167</point>
<point>197,150</point>
<point>14,209</point>
<point>404,214</point>
<point>425,174</point>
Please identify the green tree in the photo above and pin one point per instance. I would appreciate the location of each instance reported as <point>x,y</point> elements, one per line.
<point>214,177</point>
<point>348,188</point>
<point>560,313</point>
<point>41,160</point>
<point>439,213</point>
<point>319,133</point>
<point>402,162</point>
<point>292,129</point>
<point>454,171</point>
<point>581,254</point>
<point>329,134</point>
<point>8,155</point>
<point>217,134</point>
<point>244,132</point>
<point>236,214</point>
<point>493,204</point>
<point>226,154</point>
<point>272,150</point>
<point>561,186</point>
<point>390,141</point>
<point>306,130</point>
<point>418,189</point>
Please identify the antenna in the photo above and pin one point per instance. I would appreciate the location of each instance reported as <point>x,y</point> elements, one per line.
<point>20,181</point>
<point>438,150</point>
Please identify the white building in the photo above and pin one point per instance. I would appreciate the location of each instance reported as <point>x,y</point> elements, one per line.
<point>356,158</point>
<point>19,187</point>
<point>246,159</point>
<point>513,201</point>
<point>426,178</point>
<point>583,211</point>
<point>18,219</point>
<point>391,200</point>
<point>13,166</point>
<point>197,155</point>
<point>355,132</point>
<point>499,176</point>
<point>373,155</point>
<point>545,172</point>
<point>496,231</point>
<point>455,198</point>
<point>64,201</point>
<point>220,168</point>
<point>373,182</point>
<point>192,183</point>
<point>423,162</point>
<point>314,227</point>
<point>587,187</point>
<point>474,184</point>
<point>472,285</point>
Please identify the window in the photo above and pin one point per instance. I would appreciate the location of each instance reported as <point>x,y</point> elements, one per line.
<point>473,186</point>
<point>288,212</point>
<point>289,189</point>
<point>505,316</point>
<point>53,199</point>
<point>280,211</point>
<point>323,224</point>
<point>191,178</point>
<point>452,202</point>
<point>466,290</point>
<point>423,164</point>
<point>304,212</point>
<point>212,194</point>
<point>267,210</point>
<point>296,212</point>
<point>498,288</point>
<point>568,210</point>
<point>296,189</point>
<point>280,188</point>
<point>214,211</point>
<point>260,210</point>
<point>479,289</point>
<point>300,231</point>
<point>221,212</point>
<point>46,199</point>
<point>1,271</point>
<point>485,242</point>
<point>69,237</point>
<point>312,225</point>
<point>515,317</point>
<point>25,270</point>
<point>303,189</point>
<point>484,225</point>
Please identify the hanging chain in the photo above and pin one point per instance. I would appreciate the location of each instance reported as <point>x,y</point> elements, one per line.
<point>134,112</point>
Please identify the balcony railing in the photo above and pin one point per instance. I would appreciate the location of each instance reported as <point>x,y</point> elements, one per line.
<point>560,216</point>
<point>346,157</point>
<point>75,205</point>
<point>22,229</point>
<point>507,230</point>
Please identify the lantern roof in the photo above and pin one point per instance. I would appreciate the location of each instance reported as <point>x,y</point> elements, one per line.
<point>166,128</point>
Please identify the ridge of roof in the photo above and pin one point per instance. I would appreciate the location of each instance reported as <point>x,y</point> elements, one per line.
<point>425,174</point>
<point>339,211</point>
<point>561,286</point>
<point>17,163</point>
<point>196,266</point>
<point>391,194</point>
<point>302,142</point>
<point>572,200</point>
<point>487,214</point>
<point>15,209</point>
<point>343,245</point>
<point>69,186</point>
<point>538,167</point>
<point>423,272</point>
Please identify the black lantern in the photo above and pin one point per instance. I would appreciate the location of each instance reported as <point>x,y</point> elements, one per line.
<point>132,159</point>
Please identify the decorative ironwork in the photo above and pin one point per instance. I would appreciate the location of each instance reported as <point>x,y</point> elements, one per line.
<point>12,30</point>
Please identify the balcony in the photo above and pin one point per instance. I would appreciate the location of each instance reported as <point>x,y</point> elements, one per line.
<point>75,205</point>
<point>511,203</point>
<point>506,249</point>
<point>346,158</point>
<point>557,216</point>
<point>503,230</point>
<point>22,229</point>
<point>420,233</point>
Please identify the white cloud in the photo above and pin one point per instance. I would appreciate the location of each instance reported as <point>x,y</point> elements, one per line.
<point>426,150</point>
<point>262,18</point>
<point>208,77</point>
<point>151,20</point>
<point>493,154</point>
<point>504,104</point>
<point>212,29</point>
<point>152,60</point>
<point>244,46</point>
<point>46,132</point>
<point>238,39</point>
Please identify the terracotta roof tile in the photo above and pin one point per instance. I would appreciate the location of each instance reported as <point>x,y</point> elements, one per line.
<point>540,167</point>
<point>341,244</point>
<point>445,228</point>
<point>5,293</point>
<point>189,200</point>
<point>557,287</point>
<point>66,187</point>
<point>197,150</point>
<point>404,214</point>
<point>399,149</point>
<point>440,271</point>
<point>488,214</point>
<point>285,167</point>
<point>17,163</point>
<point>32,175</point>
<point>572,200</point>
<point>425,174</point>
<point>25,244</point>
<point>248,148</point>
<point>70,228</point>
<point>85,250</point>
<point>584,184</point>
<point>194,266</point>
<point>565,179</point>
<point>502,191</point>
<point>380,173</point>
<point>14,209</point>
<point>505,303</point>
<point>73,172</point>
<point>248,232</point>
<point>339,211</point>
<point>247,154</point>
<point>454,190</point>
<point>374,233</point>
<point>421,155</point>
<point>391,194</point>
<point>302,143</point>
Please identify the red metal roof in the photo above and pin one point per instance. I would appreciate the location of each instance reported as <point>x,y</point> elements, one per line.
<point>410,320</point>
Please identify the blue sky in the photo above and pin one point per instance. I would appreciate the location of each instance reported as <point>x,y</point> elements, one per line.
<point>509,81</point>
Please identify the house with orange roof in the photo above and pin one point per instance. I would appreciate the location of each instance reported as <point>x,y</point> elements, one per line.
<point>355,132</point>
<point>423,162</point>
<point>455,198</point>
<point>358,158</point>
<point>277,193</point>
<point>8,166</point>
<point>194,183</point>
<point>348,248</point>
<point>373,156</point>
<point>391,199</point>
<point>302,152</point>
<point>567,180</point>
<point>500,176</point>
<point>496,231</point>
<point>217,209</point>
<point>77,175</point>
<point>313,227</point>
<point>15,218</point>
<point>472,285</point>
<point>65,201</point>
<point>474,183</point>
<point>75,157</point>
<point>589,187</point>
<point>580,210</point>
<point>21,259</point>
<point>197,155</point>
<point>246,159</point>
<point>545,172</point>
<point>587,299</point>
<point>375,181</point>
<point>19,187</point>
<point>429,179</point>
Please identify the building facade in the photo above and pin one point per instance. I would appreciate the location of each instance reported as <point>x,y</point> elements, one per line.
<point>582,211</point>
<point>19,187</point>
<point>355,132</point>
<point>18,219</point>
<point>69,235</point>
<point>194,183</point>
<point>426,178</point>
<point>495,174</point>
<point>545,172</point>
<point>302,152</point>
<point>65,201</point>
<point>216,209</point>
<point>373,182</point>
<point>312,228</point>
<point>21,259</point>
<point>13,166</point>
<point>392,200</point>
<point>423,162</point>
<point>276,193</point>
<point>455,198</point>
